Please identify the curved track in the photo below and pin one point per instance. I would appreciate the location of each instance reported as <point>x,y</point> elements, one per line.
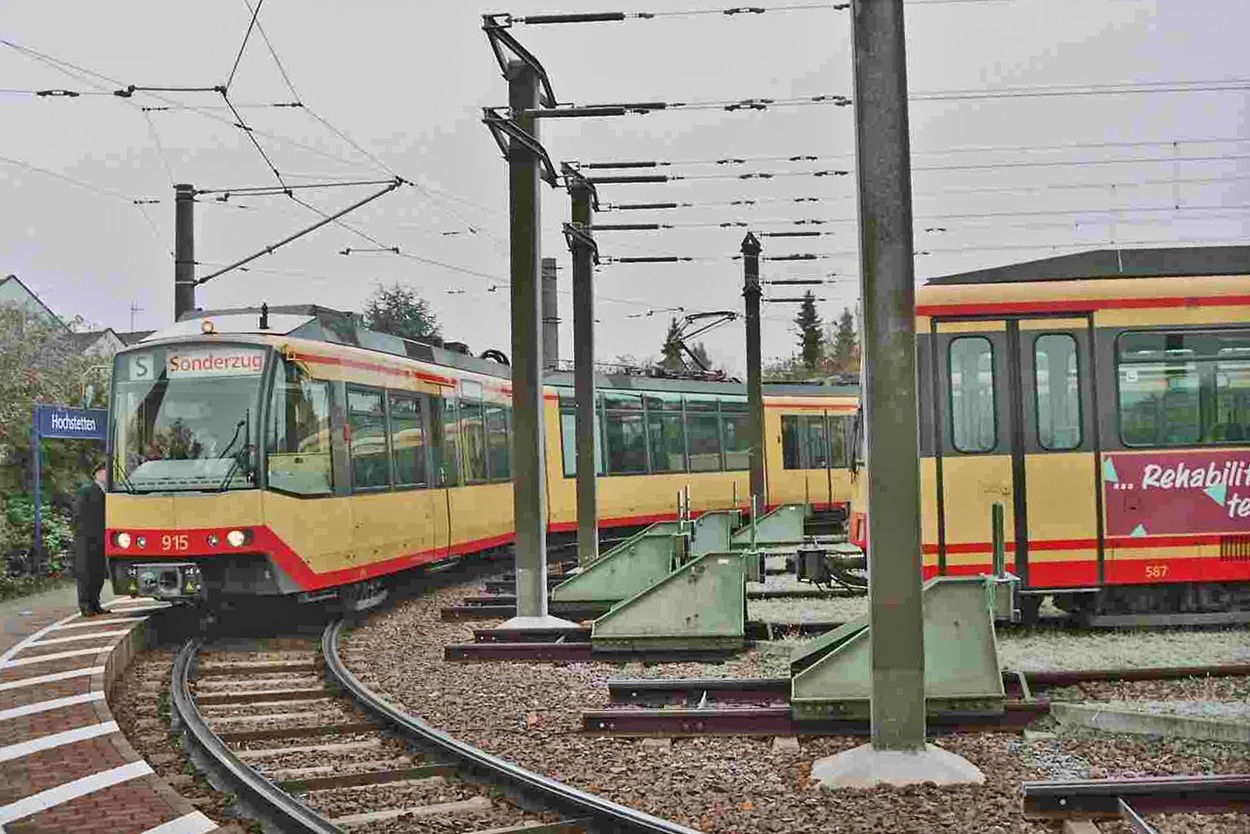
<point>277,804</point>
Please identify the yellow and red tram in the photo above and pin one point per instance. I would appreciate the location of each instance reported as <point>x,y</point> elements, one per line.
<point>300,454</point>
<point>1104,400</point>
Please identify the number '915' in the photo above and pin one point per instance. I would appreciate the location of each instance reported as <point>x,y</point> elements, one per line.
<point>174,542</point>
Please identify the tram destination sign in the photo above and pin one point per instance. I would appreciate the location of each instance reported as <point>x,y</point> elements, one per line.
<point>58,421</point>
<point>202,362</point>
<point>1177,493</point>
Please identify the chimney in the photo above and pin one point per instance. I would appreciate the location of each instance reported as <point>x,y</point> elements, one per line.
<point>551,315</point>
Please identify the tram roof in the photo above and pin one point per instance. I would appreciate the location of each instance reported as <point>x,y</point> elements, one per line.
<point>1169,262</point>
<point>324,324</point>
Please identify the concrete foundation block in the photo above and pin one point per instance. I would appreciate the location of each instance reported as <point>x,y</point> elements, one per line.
<point>785,744</point>
<point>867,767</point>
<point>1119,720</point>
<point>544,622</point>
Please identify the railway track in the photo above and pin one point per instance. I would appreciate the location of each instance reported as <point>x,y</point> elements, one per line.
<point>1084,804</point>
<point>659,692</point>
<point>757,706</point>
<point>308,748</point>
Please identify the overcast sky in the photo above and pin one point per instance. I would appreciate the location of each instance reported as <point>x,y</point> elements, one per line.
<point>406,81</point>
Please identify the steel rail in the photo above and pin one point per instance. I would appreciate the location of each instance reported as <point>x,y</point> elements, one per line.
<point>755,630</point>
<point>762,594</point>
<point>781,721</point>
<point>1064,677</point>
<point>671,690</point>
<point>529,787</point>
<point>1153,794</point>
<point>262,798</point>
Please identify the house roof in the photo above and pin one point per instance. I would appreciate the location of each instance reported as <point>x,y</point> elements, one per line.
<point>133,337</point>
<point>87,338</point>
<point>36,299</point>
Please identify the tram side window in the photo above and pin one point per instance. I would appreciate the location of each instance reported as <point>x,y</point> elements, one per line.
<point>1232,400</point>
<point>666,432</point>
<point>737,441</point>
<point>811,442</point>
<point>1058,388</point>
<point>407,440</point>
<point>735,433</point>
<point>791,444</point>
<point>837,442</point>
<point>703,434</point>
<point>472,433</point>
<point>446,425</point>
<point>568,435</point>
<point>974,424</point>
<point>625,427</point>
<point>298,440</point>
<point>1184,388</point>
<point>498,460</point>
<point>815,443</point>
<point>366,417</point>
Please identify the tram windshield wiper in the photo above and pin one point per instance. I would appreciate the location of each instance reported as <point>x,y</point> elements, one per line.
<point>238,427</point>
<point>245,426</point>
<point>125,481</point>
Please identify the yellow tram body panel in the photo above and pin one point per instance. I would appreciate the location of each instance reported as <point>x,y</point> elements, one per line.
<point>1056,452</point>
<point>275,541</point>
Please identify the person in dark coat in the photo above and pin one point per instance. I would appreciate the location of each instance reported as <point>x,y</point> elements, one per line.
<point>89,543</point>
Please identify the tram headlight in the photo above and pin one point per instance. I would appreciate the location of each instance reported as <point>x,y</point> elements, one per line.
<point>122,540</point>
<point>213,540</point>
<point>141,542</point>
<point>238,538</point>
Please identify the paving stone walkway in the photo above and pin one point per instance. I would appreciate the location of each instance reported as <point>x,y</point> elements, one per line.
<point>64,765</point>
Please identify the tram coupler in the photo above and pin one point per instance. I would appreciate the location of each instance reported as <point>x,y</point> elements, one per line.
<point>823,563</point>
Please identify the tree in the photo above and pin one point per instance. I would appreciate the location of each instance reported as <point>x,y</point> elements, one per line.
<point>845,358</point>
<point>401,312</point>
<point>811,337</point>
<point>700,353</point>
<point>673,358</point>
<point>40,364</point>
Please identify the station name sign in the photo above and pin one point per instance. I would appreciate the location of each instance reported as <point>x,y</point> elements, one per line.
<point>58,421</point>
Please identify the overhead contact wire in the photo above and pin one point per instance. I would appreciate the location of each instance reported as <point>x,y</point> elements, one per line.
<point>242,125</point>
<point>243,46</point>
<point>619,17</point>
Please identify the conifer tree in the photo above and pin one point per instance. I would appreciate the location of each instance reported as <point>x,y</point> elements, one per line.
<point>845,359</point>
<point>811,335</point>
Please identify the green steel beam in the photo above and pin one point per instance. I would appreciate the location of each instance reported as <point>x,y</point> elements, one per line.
<point>634,564</point>
<point>834,677</point>
<point>701,605</point>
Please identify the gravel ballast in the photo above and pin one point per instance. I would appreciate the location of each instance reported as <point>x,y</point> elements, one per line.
<point>530,713</point>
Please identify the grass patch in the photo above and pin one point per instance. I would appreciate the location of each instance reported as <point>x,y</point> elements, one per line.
<point>13,587</point>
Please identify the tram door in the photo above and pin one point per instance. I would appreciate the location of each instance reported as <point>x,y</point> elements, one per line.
<point>1015,425</point>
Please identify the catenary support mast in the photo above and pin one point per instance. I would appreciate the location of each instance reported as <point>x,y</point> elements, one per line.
<point>184,249</point>
<point>581,193</point>
<point>755,387</point>
<point>528,483</point>
<point>882,154</point>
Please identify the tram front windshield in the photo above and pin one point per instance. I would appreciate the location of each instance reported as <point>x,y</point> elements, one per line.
<point>186,418</point>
